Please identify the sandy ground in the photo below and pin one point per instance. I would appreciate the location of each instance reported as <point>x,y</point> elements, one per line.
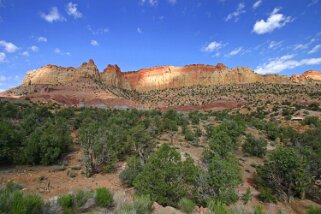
<point>57,183</point>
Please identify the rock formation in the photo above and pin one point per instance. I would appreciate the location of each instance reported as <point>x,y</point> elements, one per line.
<point>161,77</point>
<point>307,76</point>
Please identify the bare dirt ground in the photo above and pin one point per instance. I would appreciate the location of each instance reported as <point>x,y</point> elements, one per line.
<point>58,182</point>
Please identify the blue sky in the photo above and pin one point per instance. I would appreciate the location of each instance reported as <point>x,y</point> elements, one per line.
<point>268,36</point>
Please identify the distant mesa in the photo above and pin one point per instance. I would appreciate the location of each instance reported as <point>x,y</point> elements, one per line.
<point>160,77</point>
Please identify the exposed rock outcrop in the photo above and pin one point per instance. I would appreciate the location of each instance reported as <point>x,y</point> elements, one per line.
<point>307,76</point>
<point>161,77</point>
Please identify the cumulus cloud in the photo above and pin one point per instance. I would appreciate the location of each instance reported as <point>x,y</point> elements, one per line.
<point>34,48</point>
<point>275,20</point>
<point>94,43</point>
<point>58,51</point>
<point>72,10</point>
<point>8,46</point>
<point>53,16</point>
<point>42,39</point>
<point>235,52</point>
<point>315,49</point>
<point>2,57</point>
<point>139,30</point>
<point>257,4</point>
<point>235,15</point>
<point>212,46</point>
<point>283,63</point>
<point>25,53</point>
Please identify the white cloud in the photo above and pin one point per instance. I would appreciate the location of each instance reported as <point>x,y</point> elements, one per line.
<point>98,31</point>
<point>212,46</point>
<point>235,15</point>
<point>94,43</point>
<point>300,46</point>
<point>315,49</point>
<point>235,52</point>
<point>276,20</point>
<point>53,16</point>
<point>34,48</point>
<point>2,57</point>
<point>25,53</point>
<point>58,51</point>
<point>72,10</point>
<point>139,30</point>
<point>42,39</point>
<point>275,45</point>
<point>8,46</point>
<point>283,63</point>
<point>257,4</point>
<point>150,2</point>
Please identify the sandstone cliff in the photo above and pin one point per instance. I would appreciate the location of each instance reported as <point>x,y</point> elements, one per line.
<point>161,77</point>
<point>307,76</point>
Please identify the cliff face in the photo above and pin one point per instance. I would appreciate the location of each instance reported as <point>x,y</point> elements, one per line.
<point>307,76</point>
<point>53,75</point>
<point>161,77</point>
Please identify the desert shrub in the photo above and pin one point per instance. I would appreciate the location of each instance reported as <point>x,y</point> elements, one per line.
<point>285,173</point>
<point>314,107</point>
<point>134,167</point>
<point>258,209</point>
<point>47,143</point>
<point>255,147</point>
<point>218,207</point>
<point>188,133</point>
<point>14,201</point>
<point>140,205</point>
<point>314,210</point>
<point>220,180</point>
<point>66,203</point>
<point>81,197</point>
<point>186,205</point>
<point>314,121</point>
<point>247,196</point>
<point>165,165</point>
<point>104,198</point>
<point>220,144</point>
<point>10,142</point>
<point>194,117</point>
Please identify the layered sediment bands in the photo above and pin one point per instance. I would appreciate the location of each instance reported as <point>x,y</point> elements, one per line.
<point>161,77</point>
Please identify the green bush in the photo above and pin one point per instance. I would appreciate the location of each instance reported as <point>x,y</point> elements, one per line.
<point>314,121</point>
<point>104,198</point>
<point>165,165</point>
<point>314,210</point>
<point>259,209</point>
<point>255,147</point>
<point>66,203</point>
<point>140,205</point>
<point>284,169</point>
<point>81,197</point>
<point>218,207</point>
<point>186,205</point>
<point>12,200</point>
<point>247,196</point>
<point>133,168</point>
